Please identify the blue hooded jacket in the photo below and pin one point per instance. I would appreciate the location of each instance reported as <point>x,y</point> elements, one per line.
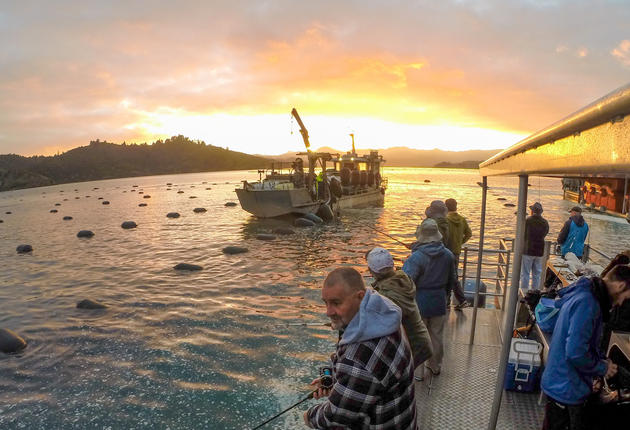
<point>431,266</point>
<point>377,317</point>
<point>573,235</point>
<point>574,357</point>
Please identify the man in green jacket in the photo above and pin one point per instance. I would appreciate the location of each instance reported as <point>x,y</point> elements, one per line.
<point>459,233</point>
<point>400,289</point>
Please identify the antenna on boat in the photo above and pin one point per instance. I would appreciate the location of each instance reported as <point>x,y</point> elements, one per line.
<point>352,136</point>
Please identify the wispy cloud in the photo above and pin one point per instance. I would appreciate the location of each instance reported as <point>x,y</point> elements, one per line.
<point>118,70</point>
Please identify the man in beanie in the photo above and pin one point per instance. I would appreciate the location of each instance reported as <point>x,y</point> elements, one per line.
<point>400,289</point>
<point>574,355</point>
<point>432,268</point>
<point>536,228</point>
<point>458,233</point>
<point>573,233</point>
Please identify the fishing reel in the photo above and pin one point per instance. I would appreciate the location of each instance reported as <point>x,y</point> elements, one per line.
<point>326,377</point>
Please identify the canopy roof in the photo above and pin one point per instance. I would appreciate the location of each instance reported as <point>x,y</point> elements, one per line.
<point>594,141</point>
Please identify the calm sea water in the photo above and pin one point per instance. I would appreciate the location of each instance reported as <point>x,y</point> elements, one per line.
<point>208,349</point>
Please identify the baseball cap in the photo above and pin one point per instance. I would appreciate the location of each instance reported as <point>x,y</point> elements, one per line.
<point>379,259</point>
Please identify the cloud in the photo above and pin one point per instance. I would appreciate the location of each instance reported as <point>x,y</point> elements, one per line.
<point>113,71</point>
<point>622,52</point>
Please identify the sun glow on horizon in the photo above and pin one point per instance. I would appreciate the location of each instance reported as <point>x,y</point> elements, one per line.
<point>273,134</point>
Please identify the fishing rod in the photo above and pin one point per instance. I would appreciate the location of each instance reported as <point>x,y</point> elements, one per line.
<point>391,237</point>
<point>310,396</point>
<point>325,381</point>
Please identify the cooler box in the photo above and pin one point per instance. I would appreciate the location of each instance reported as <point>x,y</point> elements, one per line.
<point>523,368</point>
<point>469,292</point>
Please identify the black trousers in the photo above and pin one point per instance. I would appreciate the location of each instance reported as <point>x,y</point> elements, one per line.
<point>559,416</point>
<point>458,291</point>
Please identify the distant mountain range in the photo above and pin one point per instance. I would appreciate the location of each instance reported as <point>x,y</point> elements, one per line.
<point>104,160</point>
<point>407,157</point>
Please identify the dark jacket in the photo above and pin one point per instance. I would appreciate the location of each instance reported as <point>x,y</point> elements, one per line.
<point>574,355</point>
<point>573,235</point>
<point>432,268</point>
<point>458,232</point>
<point>373,373</point>
<point>400,289</point>
<point>536,228</point>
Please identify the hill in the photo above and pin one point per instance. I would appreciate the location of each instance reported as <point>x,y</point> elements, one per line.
<point>104,160</point>
<point>407,157</point>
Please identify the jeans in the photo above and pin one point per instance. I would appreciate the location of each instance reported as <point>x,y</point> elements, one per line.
<point>531,265</point>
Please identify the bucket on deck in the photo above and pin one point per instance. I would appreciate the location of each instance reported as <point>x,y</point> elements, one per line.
<point>523,368</point>
<point>469,292</point>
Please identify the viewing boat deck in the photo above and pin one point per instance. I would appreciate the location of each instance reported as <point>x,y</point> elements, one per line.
<point>461,396</point>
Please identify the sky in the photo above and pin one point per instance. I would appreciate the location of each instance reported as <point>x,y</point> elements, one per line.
<point>448,74</point>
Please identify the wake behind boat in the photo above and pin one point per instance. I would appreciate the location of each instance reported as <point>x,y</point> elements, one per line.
<point>354,181</point>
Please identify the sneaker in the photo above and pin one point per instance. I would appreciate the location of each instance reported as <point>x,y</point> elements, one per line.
<point>434,372</point>
<point>462,305</point>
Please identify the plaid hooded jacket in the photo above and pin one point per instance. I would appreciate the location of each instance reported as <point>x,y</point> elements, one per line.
<point>373,372</point>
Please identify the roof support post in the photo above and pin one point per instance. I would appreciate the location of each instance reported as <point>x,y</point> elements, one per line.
<point>482,230</point>
<point>508,318</point>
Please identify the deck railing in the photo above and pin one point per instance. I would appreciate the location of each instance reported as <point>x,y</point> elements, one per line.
<point>495,269</point>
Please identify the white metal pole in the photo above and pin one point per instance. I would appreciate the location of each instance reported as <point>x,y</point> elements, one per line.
<point>482,229</point>
<point>508,321</point>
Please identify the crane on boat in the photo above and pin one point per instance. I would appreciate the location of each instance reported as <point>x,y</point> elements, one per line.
<point>303,130</point>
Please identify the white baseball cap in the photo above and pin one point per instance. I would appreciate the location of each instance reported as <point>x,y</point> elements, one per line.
<point>379,259</point>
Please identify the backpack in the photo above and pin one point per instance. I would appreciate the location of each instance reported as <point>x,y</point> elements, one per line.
<point>546,314</point>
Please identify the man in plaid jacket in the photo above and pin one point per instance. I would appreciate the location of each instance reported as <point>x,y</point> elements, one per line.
<point>373,366</point>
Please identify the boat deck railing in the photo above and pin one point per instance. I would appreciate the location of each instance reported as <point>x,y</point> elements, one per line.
<point>495,269</point>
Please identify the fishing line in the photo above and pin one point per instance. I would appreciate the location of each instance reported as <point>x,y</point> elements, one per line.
<point>391,237</point>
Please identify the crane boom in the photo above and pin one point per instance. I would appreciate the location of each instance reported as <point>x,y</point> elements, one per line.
<point>303,130</point>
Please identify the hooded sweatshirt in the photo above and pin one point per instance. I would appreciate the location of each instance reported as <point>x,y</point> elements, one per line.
<point>432,268</point>
<point>373,373</point>
<point>400,289</point>
<point>574,357</point>
<point>573,235</point>
<point>458,232</point>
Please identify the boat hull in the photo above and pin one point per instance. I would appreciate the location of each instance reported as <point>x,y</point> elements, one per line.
<point>275,203</point>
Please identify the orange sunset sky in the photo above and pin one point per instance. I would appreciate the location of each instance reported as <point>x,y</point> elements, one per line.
<point>443,74</point>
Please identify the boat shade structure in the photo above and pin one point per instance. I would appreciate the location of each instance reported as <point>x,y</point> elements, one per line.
<point>592,142</point>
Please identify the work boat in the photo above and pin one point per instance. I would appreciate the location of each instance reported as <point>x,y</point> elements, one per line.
<point>353,181</point>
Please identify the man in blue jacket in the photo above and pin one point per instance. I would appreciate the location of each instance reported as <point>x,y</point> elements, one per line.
<point>573,233</point>
<point>574,356</point>
<point>431,266</point>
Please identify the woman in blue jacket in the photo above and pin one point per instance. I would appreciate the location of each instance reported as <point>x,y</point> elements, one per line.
<point>574,355</point>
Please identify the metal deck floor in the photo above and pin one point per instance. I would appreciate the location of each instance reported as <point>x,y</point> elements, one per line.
<point>461,396</point>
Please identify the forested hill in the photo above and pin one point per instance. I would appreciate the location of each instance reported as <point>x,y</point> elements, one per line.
<point>104,160</point>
